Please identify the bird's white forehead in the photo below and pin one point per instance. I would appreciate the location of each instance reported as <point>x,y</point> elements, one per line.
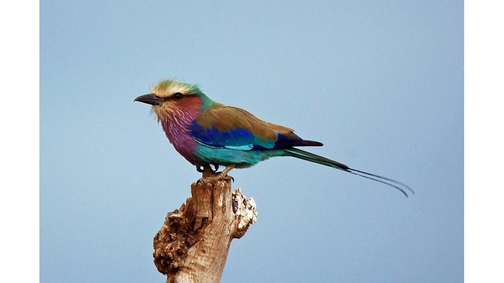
<point>167,88</point>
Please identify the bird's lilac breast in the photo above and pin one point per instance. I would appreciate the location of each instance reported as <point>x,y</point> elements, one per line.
<point>176,125</point>
<point>181,141</point>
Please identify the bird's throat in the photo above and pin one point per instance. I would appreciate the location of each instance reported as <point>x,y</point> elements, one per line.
<point>176,126</point>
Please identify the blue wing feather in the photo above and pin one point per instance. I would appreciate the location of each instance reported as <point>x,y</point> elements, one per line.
<point>242,139</point>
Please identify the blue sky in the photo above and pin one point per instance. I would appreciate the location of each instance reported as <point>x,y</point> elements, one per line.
<point>380,84</point>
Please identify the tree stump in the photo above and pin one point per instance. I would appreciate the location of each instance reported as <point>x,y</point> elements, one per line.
<point>193,243</point>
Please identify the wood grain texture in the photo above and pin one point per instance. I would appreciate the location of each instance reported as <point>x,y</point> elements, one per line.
<point>193,243</point>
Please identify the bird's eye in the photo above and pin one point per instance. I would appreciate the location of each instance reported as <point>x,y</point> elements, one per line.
<point>178,95</point>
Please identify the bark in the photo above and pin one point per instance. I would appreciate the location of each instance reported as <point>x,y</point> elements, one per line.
<point>193,243</point>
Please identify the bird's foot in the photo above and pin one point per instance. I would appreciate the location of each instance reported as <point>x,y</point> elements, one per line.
<point>217,175</point>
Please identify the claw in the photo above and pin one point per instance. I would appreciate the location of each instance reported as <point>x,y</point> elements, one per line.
<point>218,176</point>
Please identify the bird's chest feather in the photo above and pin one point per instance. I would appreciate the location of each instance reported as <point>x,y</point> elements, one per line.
<point>176,126</point>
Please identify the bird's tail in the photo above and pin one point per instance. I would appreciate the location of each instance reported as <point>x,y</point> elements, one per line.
<point>305,155</point>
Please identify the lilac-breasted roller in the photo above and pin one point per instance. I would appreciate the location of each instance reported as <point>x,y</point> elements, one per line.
<point>207,133</point>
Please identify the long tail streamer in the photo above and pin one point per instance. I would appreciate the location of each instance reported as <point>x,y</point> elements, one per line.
<point>308,156</point>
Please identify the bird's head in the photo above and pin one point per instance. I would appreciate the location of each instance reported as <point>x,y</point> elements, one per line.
<point>170,98</point>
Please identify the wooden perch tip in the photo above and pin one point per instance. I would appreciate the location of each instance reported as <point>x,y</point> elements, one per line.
<point>193,243</point>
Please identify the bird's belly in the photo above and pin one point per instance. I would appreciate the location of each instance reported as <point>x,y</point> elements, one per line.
<point>224,156</point>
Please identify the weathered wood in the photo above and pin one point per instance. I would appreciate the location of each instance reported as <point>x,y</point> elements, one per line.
<point>193,243</point>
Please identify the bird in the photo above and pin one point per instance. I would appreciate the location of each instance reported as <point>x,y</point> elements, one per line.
<point>208,133</point>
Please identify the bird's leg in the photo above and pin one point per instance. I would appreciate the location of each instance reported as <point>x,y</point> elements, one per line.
<point>207,170</point>
<point>226,170</point>
<point>220,176</point>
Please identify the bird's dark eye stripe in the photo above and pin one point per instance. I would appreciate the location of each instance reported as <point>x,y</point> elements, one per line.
<point>178,95</point>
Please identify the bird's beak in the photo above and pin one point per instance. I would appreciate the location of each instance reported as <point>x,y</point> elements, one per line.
<point>149,99</point>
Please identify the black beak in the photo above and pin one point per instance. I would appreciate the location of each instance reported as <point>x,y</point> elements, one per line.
<point>149,99</point>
